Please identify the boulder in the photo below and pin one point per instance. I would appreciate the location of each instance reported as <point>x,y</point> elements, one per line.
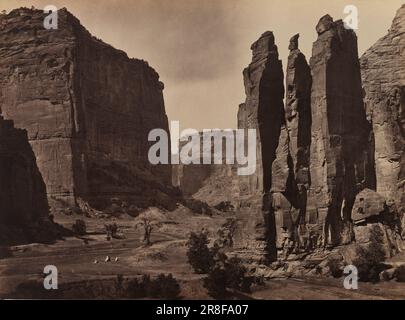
<point>387,275</point>
<point>368,204</point>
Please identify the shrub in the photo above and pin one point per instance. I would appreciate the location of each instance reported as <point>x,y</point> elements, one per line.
<point>169,288</point>
<point>111,229</point>
<point>335,267</point>
<point>226,233</point>
<point>237,278</point>
<point>163,287</point>
<point>399,273</point>
<point>215,283</point>
<point>134,289</point>
<point>199,255</point>
<point>227,274</point>
<point>79,227</point>
<point>369,258</point>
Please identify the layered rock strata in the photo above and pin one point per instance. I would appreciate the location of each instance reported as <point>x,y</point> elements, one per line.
<point>383,75</point>
<point>339,130</point>
<point>87,108</point>
<point>263,110</point>
<point>290,173</point>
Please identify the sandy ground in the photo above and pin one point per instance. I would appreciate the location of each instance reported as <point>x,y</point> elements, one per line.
<point>74,258</point>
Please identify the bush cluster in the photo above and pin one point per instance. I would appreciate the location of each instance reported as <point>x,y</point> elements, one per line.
<point>162,287</point>
<point>223,274</point>
<point>369,259</point>
<point>79,227</point>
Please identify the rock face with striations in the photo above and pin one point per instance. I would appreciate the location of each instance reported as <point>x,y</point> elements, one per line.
<point>298,111</point>
<point>313,154</point>
<point>383,74</point>
<point>87,108</point>
<point>23,201</point>
<point>290,172</point>
<point>263,111</point>
<point>339,165</point>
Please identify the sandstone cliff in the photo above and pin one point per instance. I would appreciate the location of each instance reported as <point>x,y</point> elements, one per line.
<point>383,74</point>
<point>263,110</point>
<point>298,111</point>
<point>339,130</point>
<point>87,108</point>
<point>329,163</point>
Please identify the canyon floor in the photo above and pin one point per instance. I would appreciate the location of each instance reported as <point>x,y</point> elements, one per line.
<point>75,259</point>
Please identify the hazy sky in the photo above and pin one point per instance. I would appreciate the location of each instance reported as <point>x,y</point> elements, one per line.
<point>200,47</point>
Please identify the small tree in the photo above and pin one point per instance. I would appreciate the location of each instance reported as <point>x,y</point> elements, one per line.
<point>226,233</point>
<point>111,230</point>
<point>79,227</point>
<point>199,255</point>
<point>148,221</point>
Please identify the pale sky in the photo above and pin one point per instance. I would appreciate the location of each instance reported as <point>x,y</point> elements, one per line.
<point>200,48</point>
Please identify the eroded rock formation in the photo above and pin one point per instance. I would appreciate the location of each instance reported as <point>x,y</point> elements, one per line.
<point>290,172</point>
<point>23,193</point>
<point>263,110</point>
<point>340,132</point>
<point>87,108</point>
<point>383,75</point>
<point>298,112</point>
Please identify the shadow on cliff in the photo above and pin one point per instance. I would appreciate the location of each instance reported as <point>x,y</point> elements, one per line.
<point>24,208</point>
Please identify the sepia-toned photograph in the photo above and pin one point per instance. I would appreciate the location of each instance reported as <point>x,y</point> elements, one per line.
<point>185,150</point>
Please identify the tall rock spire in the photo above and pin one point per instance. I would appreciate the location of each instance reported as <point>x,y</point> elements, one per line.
<point>298,111</point>
<point>290,171</point>
<point>339,128</point>
<point>263,110</point>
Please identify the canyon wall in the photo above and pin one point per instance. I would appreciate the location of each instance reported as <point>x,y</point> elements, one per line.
<point>329,161</point>
<point>87,108</point>
<point>291,178</point>
<point>383,75</point>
